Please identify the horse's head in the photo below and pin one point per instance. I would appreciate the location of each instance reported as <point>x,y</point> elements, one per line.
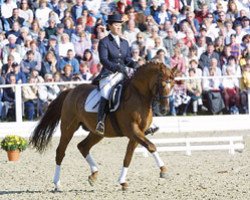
<point>163,87</point>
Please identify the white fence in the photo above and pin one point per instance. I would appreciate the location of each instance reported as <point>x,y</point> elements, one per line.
<point>18,92</point>
<point>231,143</point>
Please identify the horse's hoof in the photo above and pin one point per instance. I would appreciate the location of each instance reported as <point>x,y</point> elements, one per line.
<point>91,180</point>
<point>124,186</point>
<point>164,175</point>
<point>57,189</point>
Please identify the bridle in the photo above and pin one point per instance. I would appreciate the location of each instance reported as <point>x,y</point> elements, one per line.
<point>160,89</point>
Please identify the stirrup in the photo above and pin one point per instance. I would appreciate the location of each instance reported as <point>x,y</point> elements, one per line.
<point>100,128</point>
<point>151,130</point>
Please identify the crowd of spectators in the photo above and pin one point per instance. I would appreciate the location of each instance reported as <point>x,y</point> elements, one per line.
<point>57,40</point>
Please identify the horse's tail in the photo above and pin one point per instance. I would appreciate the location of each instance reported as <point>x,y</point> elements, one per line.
<point>43,132</point>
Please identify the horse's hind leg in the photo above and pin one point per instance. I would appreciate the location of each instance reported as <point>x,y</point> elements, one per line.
<point>127,160</point>
<point>84,147</point>
<point>67,131</point>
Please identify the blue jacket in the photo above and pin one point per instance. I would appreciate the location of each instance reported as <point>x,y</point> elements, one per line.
<point>112,56</point>
<point>73,11</point>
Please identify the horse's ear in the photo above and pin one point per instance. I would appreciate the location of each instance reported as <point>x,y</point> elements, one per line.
<point>174,71</point>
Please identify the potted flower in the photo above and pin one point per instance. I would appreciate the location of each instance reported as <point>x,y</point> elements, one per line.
<point>14,144</point>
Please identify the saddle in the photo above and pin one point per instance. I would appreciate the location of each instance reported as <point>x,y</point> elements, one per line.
<point>93,99</point>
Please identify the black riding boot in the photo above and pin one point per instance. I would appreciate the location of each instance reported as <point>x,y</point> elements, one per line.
<point>100,127</point>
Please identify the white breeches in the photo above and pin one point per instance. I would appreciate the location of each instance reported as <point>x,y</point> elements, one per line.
<point>107,83</point>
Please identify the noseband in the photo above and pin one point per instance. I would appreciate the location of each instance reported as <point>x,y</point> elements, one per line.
<point>159,90</point>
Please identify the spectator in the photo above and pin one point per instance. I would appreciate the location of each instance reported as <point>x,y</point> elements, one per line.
<point>14,18</point>
<point>131,31</point>
<point>219,45</point>
<point>162,15</point>
<point>235,47</point>
<point>20,76</point>
<point>65,45</point>
<point>23,37</point>
<point>193,22</point>
<point>7,68</point>
<point>143,7</point>
<point>68,26</point>
<point>202,14</point>
<point>245,22</point>
<point>245,87</point>
<point>231,92</point>
<point>77,9</point>
<point>84,71</point>
<point>83,44</point>
<point>12,51</point>
<point>232,64</point>
<point>51,29</point>
<point>67,73</point>
<point>9,100</point>
<point>239,33</point>
<point>158,45</point>
<point>170,41</point>
<point>212,93</point>
<point>192,55</point>
<point>30,99</point>
<point>94,50</point>
<point>26,13</point>
<point>179,100</point>
<point>7,8</point>
<point>61,8</point>
<point>71,60</point>
<point>194,90</point>
<point>213,64</point>
<point>201,45</point>
<point>52,91</point>
<point>206,57</point>
<point>42,13</point>
<point>229,31</point>
<point>49,64</point>
<point>34,29</point>
<point>225,54</point>
<point>14,30</point>
<point>222,19</point>
<point>11,42</point>
<point>177,60</point>
<point>161,57</point>
<point>29,63</point>
<point>59,31</point>
<point>53,46</point>
<point>140,42</point>
<point>92,65</point>
<point>232,10</point>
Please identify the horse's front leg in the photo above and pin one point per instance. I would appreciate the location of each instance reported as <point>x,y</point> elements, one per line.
<point>142,140</point>
<point>127,160</point>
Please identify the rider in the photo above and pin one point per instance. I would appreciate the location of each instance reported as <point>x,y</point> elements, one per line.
<point>114,53</point>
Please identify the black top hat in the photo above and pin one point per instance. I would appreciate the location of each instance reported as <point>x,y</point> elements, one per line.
<point>114,18</point>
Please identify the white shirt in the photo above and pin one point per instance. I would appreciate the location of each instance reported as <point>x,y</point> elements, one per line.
<point>42,15</point>
<point>117,39</point>
<point>6,9</point>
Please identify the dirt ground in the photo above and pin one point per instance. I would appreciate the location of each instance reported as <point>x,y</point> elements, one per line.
<point>210,175</point>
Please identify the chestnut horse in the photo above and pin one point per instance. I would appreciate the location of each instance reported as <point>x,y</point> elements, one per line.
<point>133,117</point>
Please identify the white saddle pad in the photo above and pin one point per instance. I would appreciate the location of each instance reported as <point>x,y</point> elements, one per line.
<point>92,102</point>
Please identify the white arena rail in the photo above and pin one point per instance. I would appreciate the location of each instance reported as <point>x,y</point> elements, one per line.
<point>230,143</point>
